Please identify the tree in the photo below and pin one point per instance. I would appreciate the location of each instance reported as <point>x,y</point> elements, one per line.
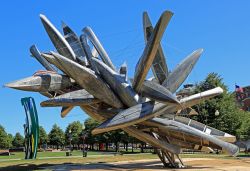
<point>116,137</point>
<point>10,139</point>
<point>243,132</point>
<point>90,124</point>
<point>76,130</point>
<point>56,136</point>
<point>18,140</point>
<point>4,139</point>
<point>43,137</point>
<point>229,114</point>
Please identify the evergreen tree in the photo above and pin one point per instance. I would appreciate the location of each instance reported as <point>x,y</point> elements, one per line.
<point>76,130</point>
<point>56,136</point>
<point>229,116</point>
<point>18,140</point>
<point>43,137</point>
<point>90,124</point>
<point>244,131</point>
<point>4,139</point>
<point>10,139</point>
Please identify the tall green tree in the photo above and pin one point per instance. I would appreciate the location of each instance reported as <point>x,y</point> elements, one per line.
<point>10,139</point>
<point>75,135</point>
<point>56,136</point>
<point>90,124</point>
<point>4,139</point>
<point>116,137</point>
<point>228,119</point>
<point>43,137</point>
<point>18,140</point>
<point>244,131</point>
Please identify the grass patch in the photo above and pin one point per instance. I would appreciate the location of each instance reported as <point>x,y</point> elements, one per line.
<point>20,155</point>
<point>40,163</point>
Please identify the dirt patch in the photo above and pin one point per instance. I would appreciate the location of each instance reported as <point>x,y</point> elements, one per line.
<point>193,164</point>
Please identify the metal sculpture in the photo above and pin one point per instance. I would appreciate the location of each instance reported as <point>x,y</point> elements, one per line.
<point>31,127</point>
<point>145,108</point>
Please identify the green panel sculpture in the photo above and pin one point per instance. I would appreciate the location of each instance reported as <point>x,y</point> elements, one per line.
<point>31,127</point>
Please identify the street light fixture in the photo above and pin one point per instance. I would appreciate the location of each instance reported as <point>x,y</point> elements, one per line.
<point>217,113</point>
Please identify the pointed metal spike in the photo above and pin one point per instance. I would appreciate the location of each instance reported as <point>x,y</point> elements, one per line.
<point>61,45</point>
<point>35,52</point>
<point>158,93</point>
<point>65,111</point>
<point>74,98</point>
<point>159,66</point>
<point>98,46</point>
<point>87,51</point>
<point>150,51</point>
<point>181,72</point>
<point>73,41</point>
<point>51,59</point>
<point>42,83</point>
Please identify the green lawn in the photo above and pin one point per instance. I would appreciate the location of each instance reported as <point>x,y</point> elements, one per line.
<point>20,165</point>
<point>20,155</point>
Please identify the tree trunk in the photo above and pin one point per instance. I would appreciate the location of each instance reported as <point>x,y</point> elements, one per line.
<point>117,146</point>
<point>142,149</point>
<point>132,146</point>
<point>126,146</point>
<point>107,146</point>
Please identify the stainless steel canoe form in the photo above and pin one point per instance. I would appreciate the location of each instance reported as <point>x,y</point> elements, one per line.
<point>157,92</point>
<point>87,51</point>
<point>74,98</point>
<point>35,52</point>
<point>42,83</point>
<point>52,60</point>
<point>74,43</point>
<point>181,72</point>
<point>150,50</point>
<point>89,81</point>
<point>159,66</point>
<point>98,46</point>
<point>117,83</point>
<point>65,110</point>
<point>61,45</point>
<point>147,109</point>
<point>180,127</point>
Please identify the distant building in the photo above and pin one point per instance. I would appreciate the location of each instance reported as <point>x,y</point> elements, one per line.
<point>242,95</point>
<point>188,90</point>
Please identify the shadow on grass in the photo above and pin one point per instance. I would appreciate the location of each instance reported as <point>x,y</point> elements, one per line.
<point>130,166</point>
<point>244,155</point>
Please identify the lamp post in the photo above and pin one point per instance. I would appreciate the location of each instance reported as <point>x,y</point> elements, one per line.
<point>84,153</point>
<point>217,113</point>
<point>70,139</point>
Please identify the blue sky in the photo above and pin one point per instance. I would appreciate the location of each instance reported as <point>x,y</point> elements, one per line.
<point>222,28</point>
